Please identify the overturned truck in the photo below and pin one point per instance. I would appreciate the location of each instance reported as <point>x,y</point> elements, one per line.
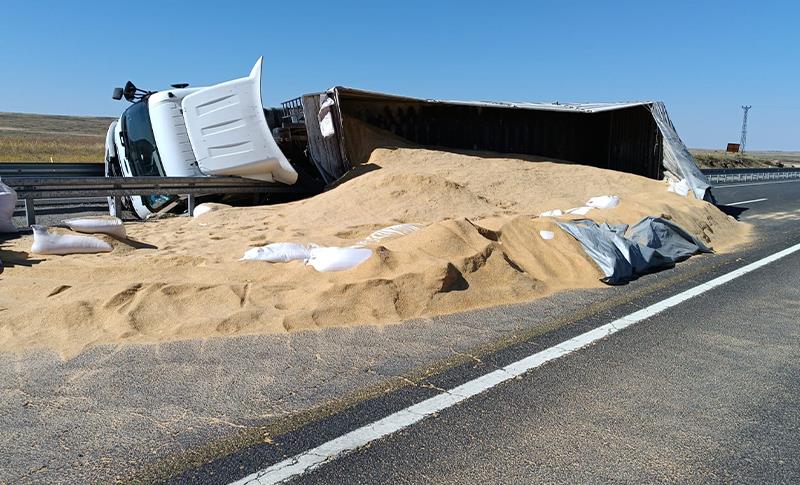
<point>313,140</point>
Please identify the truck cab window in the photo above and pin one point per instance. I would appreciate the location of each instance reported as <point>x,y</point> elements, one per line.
<point>141,150</point>
<point>140,144</point>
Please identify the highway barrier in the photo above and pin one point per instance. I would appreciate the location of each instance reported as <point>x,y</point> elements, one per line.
<point>85,181</point>
<point>55,169</point>
<point>741,175</point>
<point>30,189</point>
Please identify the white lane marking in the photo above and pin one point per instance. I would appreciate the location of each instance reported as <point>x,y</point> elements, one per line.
<point>316,457</point>
<point>747,201</point>
<point>753,183</point>
<point>777,216</point>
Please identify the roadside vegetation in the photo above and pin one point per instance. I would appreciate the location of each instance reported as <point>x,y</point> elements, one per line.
<point>722,159</point>
<point>45,138</point>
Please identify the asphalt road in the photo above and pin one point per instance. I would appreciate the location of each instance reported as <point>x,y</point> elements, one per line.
<point>53,213</point>
<point>708,391</point>
<point>214,411</point>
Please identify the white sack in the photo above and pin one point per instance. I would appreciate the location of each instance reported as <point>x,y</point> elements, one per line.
<point>277,253</point>
<point>546,235</point>
<point>337,259</point>
<point>681,188</point>
<point>389,232</point>
<point>325,118</point>
<point>45,242</point>
<point>8,201</point>
<point>580,211</point>
<point>207,207</point>
<point>552,213</point>
<point>94,225</point>
<point>603,202</point>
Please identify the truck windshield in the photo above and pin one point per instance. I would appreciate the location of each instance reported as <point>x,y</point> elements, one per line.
<point>141,150</point>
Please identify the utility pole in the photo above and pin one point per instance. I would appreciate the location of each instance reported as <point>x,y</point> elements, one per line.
<point>744,128</point>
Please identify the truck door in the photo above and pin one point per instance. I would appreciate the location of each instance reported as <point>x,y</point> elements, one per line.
<point>229,133</point>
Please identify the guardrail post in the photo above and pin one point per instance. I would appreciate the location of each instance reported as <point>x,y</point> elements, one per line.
<point>191,203</point>
<point>117,207</point>
<point>30,212</point>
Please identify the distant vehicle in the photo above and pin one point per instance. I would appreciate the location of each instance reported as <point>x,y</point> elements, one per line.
<point>200,131</point>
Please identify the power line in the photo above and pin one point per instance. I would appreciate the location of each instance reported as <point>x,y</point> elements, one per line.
<point>744,128</point>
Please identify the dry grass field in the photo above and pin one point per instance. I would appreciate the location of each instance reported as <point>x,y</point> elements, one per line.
<point>42,138</point>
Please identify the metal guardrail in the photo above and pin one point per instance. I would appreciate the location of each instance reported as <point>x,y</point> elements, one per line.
<point>50,169</point>
<point>44,169</point>
<point>35,181</point>
<point>30,189</point>
<point>741,175</point>
<point>748,170</point>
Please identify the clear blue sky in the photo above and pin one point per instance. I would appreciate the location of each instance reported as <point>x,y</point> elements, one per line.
<point>703,58</point>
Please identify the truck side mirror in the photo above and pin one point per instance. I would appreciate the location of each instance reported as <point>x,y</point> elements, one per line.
<point>130,91</point>
<point>117,94</point>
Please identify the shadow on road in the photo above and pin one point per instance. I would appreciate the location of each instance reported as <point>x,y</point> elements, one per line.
<point>732,210</point>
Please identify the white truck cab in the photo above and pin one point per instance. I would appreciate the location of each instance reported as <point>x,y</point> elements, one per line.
<point>194,132</point>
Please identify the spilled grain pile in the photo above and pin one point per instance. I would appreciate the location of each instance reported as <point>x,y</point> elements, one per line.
<point>479,246</point>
